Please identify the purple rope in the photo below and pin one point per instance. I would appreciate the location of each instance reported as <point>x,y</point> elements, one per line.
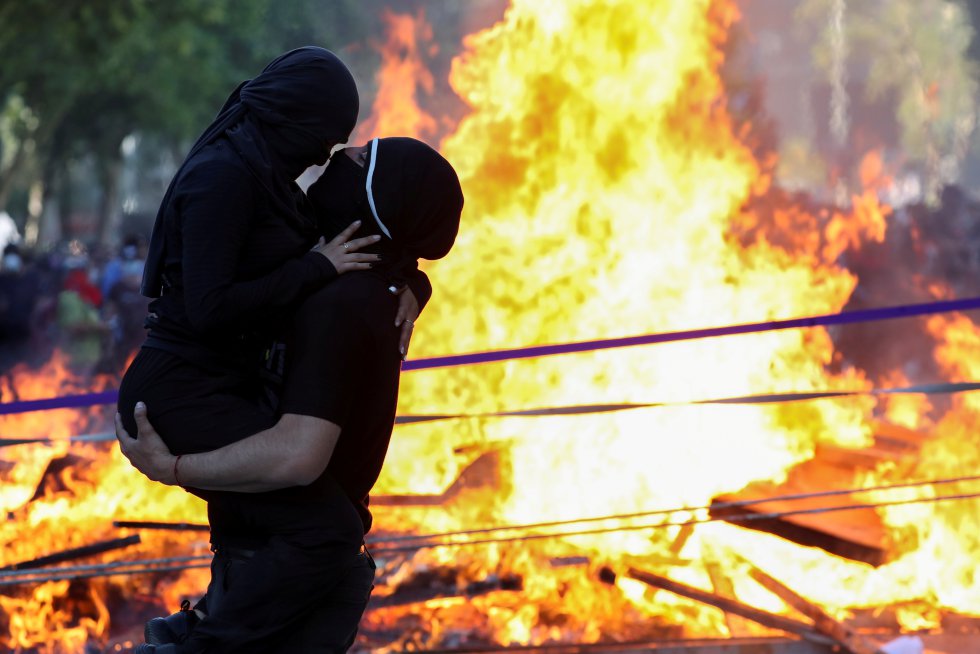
<point>64,402</point>
<point>844,318</point>
<point>865,315</point>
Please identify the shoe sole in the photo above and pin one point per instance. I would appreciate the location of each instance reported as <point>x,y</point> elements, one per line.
<point>156,632</point>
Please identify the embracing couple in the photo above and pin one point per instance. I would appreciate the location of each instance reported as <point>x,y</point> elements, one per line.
<point>268,380</point>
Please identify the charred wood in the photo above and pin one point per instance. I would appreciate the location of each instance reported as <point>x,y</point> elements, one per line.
<point>809,530</point>
<point>412,595</point>
<point>822,621</point>
<point>52,480</point>
<point>687,646</point>
<point>483,472</point>
<point>722,584</point>
<point>734,607</point>
<point>854,534</point>
<point>169,526</point>
<point>74,553</point>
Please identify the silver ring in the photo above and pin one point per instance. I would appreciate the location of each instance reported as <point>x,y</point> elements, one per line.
<point>347,245</point>
<point>410,323</point>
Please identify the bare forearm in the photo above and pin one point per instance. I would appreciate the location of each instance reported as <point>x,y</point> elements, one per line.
<point>293,453</point>
<point>256,464</point>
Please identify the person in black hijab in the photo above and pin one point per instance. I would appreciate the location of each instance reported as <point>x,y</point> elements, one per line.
<point>233,252</point>
<point>337,410</point>
<point>279,124</point>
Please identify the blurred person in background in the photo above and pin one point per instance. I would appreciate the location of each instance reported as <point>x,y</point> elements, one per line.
<point>82,334</point>
<point>48,269</point>
<point>130,256</point>
<point>124,308</point>
<point>19,286</point>
<point>8,230</point>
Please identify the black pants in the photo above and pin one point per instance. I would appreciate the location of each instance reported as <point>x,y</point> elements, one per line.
<point>305,547</point>
<point>328,626</point>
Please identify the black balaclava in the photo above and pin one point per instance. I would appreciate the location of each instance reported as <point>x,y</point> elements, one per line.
<point>406,191</point>
<point>339,197</point>
<point>279,123</point>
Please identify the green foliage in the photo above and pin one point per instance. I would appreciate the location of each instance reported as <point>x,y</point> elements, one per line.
<point>77,76</point>
<point>917,52</point>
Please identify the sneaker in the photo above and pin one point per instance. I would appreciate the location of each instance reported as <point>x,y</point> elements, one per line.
<point>147,648</point>
<point>172,629</point>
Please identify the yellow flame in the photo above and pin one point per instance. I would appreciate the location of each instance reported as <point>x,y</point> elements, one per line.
<point>605,188</point>
<point>401,77</point>
<point>50,513</point>
<point>607,195</point>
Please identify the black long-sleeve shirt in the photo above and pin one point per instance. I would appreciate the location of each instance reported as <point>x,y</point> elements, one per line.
<point>234,269</point>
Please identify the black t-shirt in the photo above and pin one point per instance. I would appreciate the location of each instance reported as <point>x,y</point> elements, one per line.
<point>343,365</point>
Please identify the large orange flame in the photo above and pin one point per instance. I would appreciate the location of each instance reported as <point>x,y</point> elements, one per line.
<point>604,186</point>
<point>402,77</point>
<point>51,512</point>
<point>608,194</point>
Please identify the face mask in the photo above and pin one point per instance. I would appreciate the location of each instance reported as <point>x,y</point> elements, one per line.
<point>12,262</point>
<point>339,197</point>
<point>294,148</point>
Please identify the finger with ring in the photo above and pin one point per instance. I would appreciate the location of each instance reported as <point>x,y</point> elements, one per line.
<point>347,245</point>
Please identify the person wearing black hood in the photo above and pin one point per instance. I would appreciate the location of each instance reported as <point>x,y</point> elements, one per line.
<point>337,408</point>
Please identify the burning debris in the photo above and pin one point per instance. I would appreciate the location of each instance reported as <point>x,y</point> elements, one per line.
<point>73,553</point>
<point>607,195</point>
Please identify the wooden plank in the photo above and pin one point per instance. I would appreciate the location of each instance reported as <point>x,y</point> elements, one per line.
<point>723,587</point>
<point>415,594</point>
<point>853,534</point>
<point>684,533</point>
<point>686,646</point>
<point>823,621</point>
<point>484,471</point>
<point>897,436</point>
<point>163,526</point>
<point>735,607</point>
<point>867,458</point>
<point>74,553</point>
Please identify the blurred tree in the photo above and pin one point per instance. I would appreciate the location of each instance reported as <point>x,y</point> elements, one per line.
<point>914,52</point>
<point>17,123</point>
<point>973,12</point>
<point>78,76</point>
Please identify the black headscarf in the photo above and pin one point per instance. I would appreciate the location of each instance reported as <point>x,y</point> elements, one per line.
<point>415,195</point>
<point>406,191</point>
<point>280,123</point>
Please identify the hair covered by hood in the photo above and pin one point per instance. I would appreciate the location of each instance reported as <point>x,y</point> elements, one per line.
<point>415,196</point>
<point>306,98</point>
<point>280,122</point>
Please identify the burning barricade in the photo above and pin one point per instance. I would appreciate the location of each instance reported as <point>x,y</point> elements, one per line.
<point>604,496</point>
